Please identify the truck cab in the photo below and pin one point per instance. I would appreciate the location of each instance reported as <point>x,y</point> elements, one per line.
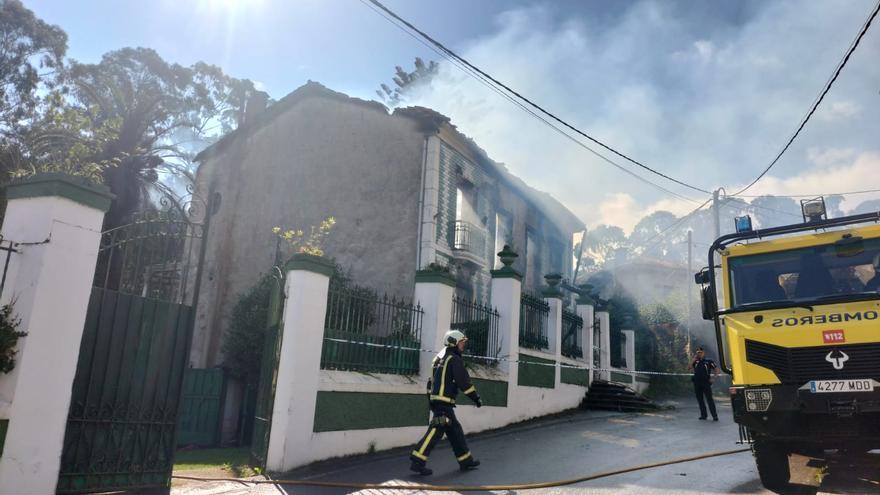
<point>797,320</point>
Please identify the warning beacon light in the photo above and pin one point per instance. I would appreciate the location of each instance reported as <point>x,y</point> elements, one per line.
<point>814,209</point>
<point>743,224</point>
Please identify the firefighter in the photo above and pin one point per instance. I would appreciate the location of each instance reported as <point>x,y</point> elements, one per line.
<point>448,378</point>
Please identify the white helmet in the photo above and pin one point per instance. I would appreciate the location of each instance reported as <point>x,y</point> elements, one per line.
<point>453,337</point>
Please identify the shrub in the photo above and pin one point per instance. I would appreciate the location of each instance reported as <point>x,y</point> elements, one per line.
<point>9,335</point>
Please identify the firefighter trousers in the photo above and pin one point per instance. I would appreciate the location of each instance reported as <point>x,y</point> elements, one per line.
<point>703,392</point>
<point>443,422</point>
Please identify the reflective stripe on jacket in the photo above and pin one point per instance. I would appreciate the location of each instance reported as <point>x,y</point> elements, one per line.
<point>450,377</point>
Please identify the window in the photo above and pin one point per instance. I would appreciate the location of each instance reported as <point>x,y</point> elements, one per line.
<point>503,234</point>
<point>805,274</point>
<point>533,261</point>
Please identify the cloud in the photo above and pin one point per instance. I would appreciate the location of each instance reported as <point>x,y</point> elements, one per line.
<point>859,172</point>
<point>839,110</point>
<point>829,156</point>
<point>624,211</point>
<point>706,97</point>
<point>619,209</point>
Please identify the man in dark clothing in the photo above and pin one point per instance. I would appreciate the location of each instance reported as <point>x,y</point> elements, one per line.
<point>448,378</point>
<point>703,370</point>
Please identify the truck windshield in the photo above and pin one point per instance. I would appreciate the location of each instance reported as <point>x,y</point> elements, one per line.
<point>805,274</point>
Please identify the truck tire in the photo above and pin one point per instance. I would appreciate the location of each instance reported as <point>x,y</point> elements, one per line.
<point>771,459</point>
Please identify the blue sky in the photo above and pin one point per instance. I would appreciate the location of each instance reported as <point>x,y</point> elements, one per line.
<point>705,91</point>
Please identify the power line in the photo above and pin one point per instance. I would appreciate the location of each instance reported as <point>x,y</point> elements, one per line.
<point>759,207</point>
<point>818,100</point>
<point>526,109</point>
<point>816,195</point>
<point>552,116</point>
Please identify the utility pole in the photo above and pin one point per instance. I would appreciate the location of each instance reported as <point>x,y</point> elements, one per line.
<point>715,210</point>
<point>687,284</point>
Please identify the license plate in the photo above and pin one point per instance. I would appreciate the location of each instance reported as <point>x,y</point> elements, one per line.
<point>831,386</point>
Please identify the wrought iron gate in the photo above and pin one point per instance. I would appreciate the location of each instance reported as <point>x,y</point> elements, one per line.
<point>268,373</point>
<point>134,351</point>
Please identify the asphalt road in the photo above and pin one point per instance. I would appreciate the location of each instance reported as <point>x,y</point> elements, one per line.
<point>582,444</point>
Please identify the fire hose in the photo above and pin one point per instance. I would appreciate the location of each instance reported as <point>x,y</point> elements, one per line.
<point>466,488</point>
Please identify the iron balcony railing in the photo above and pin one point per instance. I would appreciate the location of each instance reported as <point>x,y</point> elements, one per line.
<point>572,335</point>
<point>469,238</point>
<point>365,332</point>
<point>480,324</point>
<point>533,315</point>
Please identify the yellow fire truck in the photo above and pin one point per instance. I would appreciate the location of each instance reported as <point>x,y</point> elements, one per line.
<point>799,329</point>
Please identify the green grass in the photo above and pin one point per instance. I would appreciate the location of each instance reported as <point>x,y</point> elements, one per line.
<point>231,460</point>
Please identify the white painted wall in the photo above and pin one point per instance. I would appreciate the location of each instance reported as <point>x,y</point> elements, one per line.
<point>294,443</point>
<point>585,311</point>
<point>436,301</point>
<point>293,413</point>
<point>50,284</point>
<point>554,333</point>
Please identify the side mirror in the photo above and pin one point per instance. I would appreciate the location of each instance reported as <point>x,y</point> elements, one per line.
<point>708,302</point>
<point>701,277</point>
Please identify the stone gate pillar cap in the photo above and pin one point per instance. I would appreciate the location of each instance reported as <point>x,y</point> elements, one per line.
<point>78,189</point>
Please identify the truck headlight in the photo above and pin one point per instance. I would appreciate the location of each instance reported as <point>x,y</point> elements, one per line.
<point>758,399</point>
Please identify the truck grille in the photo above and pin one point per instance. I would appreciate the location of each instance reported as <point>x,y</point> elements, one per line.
<point>797,365</point>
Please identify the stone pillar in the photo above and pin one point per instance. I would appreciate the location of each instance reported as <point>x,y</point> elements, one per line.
<point>56,222</point>
<point>299,366</point>
<point>430,201</point>
<point>604,344</point>
<point>629,353</point>
<point>585,311</point>
<point>553,298</point>
<point>506,293</point>
<point>434,291</point>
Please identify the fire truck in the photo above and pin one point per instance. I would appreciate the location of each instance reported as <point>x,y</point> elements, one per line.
<point>796,311</point>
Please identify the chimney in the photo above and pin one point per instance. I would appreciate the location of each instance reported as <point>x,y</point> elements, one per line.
<point>254,107</point>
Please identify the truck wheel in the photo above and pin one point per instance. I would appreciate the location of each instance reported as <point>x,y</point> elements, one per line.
<point>772,461</point>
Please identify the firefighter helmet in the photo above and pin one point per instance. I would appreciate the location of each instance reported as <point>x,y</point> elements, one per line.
<point>453,337</point>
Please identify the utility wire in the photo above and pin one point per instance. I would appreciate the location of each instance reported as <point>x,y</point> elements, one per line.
<point>534,105</point>
<point>818,100</point>
<point>765,208</point>
<point>816,195</point>
<point>516,102</point>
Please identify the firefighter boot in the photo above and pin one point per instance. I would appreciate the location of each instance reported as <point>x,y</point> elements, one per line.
<point>419,468</point>
<point>468,464</point>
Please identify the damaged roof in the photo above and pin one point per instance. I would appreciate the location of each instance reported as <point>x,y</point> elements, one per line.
<point>431,121</point>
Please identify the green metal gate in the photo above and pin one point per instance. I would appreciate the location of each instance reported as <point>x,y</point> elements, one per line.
<point>268,373</point>
<point>201,406</point>
<point>135,347</point>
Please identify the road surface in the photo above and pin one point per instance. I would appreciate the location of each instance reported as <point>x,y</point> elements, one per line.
<point>581,444</point>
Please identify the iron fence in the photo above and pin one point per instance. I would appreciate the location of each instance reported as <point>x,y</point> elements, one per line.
<point>572,335</point>
<point>365,332</point>
<point>480,324</point>
<point>533,315</point>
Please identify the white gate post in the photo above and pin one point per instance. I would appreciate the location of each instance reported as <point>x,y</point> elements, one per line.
<point>433,293</point>
<point>629,353</point>
<point>299,364</point>
<point>56,221</point>
<point>604,344</point>
<point>553,298</point>
<point>506,293</point>
<point>585,311</point>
